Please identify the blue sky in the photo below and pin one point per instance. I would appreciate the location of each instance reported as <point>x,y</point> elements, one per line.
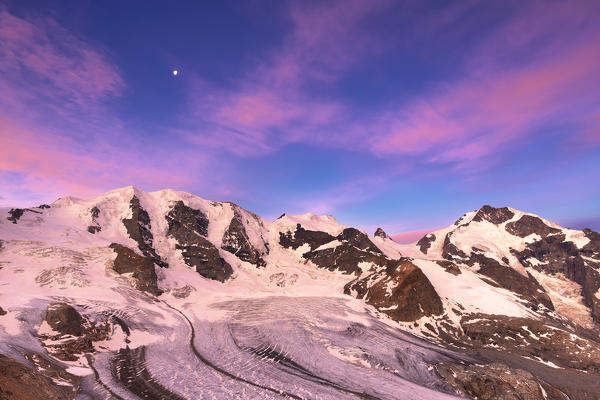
<point>403,115</point>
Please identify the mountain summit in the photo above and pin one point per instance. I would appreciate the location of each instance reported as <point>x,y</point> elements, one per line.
<point>164,294</point>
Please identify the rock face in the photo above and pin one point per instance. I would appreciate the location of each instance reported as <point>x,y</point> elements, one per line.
<point>562,345</point>
<point>496,381</point>
<point>20,382</point>
<point>237,242</point>
<point>302,236</point>
<point>501,275</point>
<point>138,228</point>
<point>496,216</point>
<point>17,213</point>
<point>528,224</point>
<point>381,233</point>
<point>141,268</point>
<point>188,227</point>
<point>193,221</point>
<point>425,242</point>
<point>401,291</point>
<point>64,319</point>
<point>351,249</point>
<point>552,255</point>
<point>67,322</point>
<point>95,226</point>
<point>527,287</point>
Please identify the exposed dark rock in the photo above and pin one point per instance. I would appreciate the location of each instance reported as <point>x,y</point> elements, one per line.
<point>93,229</point>
<point>450,267</point>
<point>302,236</point>
<point>15,214</point>
<point>2,311</point>
<point>425,242</point>
<point>496,381</point>
<point>344,257</point>
<point>194,221</point>
<point>528,224</point>
<point>237,242</point>
<point>565,346</point>
<point>187,226</point>
<point>21,382</point>
<point>182,292</point>
<point>592,249</point>
<point>62,345</point>
<point>381,233</point>
<point>450,251</point>
<point>64,319</point>
<point>43,206</point>
<point>527,287</point>
<point>281,216</point>
<point>401,290</point>
<point>138,228</point>
<point>95,211</point>
<point>559,256</point>
<point>494,215</point>
<point>358,239</point>
<point>141,268</point>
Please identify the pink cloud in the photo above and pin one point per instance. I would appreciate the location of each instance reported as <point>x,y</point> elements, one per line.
<point>272,105</point>
<point>49,164</point>
<point>488,109</point>
<point>56,58</point>
<point>411,237</point>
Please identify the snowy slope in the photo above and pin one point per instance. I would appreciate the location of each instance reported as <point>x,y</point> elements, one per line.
<point>278,323</point>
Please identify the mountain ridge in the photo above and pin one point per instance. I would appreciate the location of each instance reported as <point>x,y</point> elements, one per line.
<point>494,280</point>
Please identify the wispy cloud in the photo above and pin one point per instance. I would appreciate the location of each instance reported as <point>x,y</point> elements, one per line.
<point>58,134</point>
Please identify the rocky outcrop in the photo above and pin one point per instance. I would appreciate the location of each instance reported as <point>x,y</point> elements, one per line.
<point>188,227</point>
<point>529,224</point>
<point>526,287</point>
<point>496,216</point>
<point>358,239</point>
<point>567,346</point>
<point>351,249</point>
<point>496,381</point>
<point>450,251</point>
<point>2,311</point>
<point>302,236</point>
<point>237,242</point>
<point>141,268</point>
<point>64,319</point>
<point>449,267</point>
<point>183,218</point>
<point>21,382</point>
<point>381,233</point>
<point>401,290</point>
<point>345,258</point>
<point>95,226</point>
<point>499,274</point>
<point>425,242</point>
<point>138,228</point>
<point>17,213</point>
<point>553,255</point>
<point>74,335</point>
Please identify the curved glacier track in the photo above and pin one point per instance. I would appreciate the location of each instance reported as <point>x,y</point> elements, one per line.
<point>274,348</point>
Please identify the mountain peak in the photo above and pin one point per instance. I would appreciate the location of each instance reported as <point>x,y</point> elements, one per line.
<point>381,233</point>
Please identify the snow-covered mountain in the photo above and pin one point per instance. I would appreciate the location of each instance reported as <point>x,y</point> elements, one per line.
<point>165,295</point>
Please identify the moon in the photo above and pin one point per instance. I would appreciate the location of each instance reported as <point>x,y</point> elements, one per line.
<point>175,72</point>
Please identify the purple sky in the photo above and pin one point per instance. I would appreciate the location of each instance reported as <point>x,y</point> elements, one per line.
<point>403,115</point>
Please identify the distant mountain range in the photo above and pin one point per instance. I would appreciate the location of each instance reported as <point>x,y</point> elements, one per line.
<point>165,295</point>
